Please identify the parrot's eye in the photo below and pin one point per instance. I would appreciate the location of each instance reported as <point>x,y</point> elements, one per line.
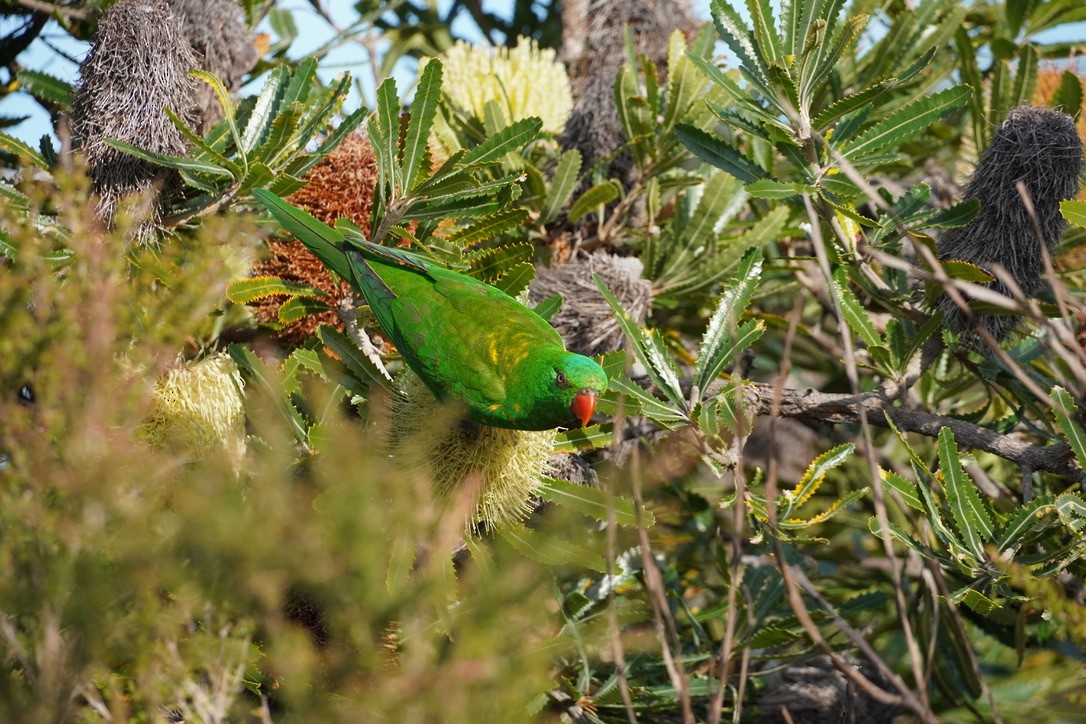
<point>560,379</point>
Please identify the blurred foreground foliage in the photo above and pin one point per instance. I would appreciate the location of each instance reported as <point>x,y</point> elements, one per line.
<point>800,456</point>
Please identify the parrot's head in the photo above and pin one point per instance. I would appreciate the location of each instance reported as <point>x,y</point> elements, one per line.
<point>577,385</point>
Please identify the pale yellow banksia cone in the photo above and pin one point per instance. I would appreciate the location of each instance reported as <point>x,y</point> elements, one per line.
<point>494,471</point>
<point>524,81</point>
<point>198,409</point>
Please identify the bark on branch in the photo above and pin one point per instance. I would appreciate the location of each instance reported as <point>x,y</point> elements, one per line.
<point>809,404</point>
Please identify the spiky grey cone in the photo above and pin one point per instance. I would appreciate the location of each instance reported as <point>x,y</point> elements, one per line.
<point>138,64</point>
<point>585,320</point>
<point>1041,148</point>
<point>594,47</point>
<point>573,468</point>
<point>817,693</point>
<point>223,45</point>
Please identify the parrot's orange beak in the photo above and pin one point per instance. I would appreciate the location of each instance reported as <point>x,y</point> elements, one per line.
<point>584,404</point>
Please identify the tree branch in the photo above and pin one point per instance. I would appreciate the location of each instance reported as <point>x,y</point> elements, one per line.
<point>830,408</point>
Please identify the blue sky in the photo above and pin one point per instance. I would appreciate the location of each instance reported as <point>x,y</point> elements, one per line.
<point>313,32</point>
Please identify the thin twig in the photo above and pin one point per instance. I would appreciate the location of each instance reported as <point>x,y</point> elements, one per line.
<point>617,651</point>
<point>876,479</point>
<point>58,10</point>
<point>666,631</point>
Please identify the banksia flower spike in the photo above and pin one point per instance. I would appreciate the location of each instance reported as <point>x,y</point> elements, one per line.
<point>137,65</point>
<point>198,409</point>
<point>342,184</point>
<point>524,81</point>
<point>503,465</point>
<point>1040,148</point>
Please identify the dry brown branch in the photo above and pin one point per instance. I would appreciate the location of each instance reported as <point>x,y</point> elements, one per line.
<point>840,408</point>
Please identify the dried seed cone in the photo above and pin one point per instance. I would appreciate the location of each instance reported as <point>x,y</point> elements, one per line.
<point>199,410</point>
<point>223,45</point>
<point>1041,148</point>
<point>137,65</point>
<point>585,320</point>
<point>342,184</point>
<point>498,470</point>
<point>595,48</point>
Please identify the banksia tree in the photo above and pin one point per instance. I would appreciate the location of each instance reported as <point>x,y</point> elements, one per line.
<point>137,66</point>
<point>1039,148</point>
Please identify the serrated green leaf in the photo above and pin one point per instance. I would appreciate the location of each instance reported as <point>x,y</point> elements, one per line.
<point>977,601</point>
<point>1068,95</point>
<point>512,138</point>
<point>244,291</point>
<point>1065,409</point>
<point>716,152</point>
<point>177,162</point>
<point>592,502</point>
<point>549,307</point>
<point>385,131</point>
<point>969,515</point>
<point>263,113</point>
<point>516,279</point>
<point>299,307</point>
<point>353,359</point>
<point>734,301</point>
<point>651,407</point>
<point>956,216</point>
<point>23,150</point>
<point>1072,511</point>
<point>853,312</point>
<point>648,349</point>
<point>225,101</point>
<point>903,487</point>
<point>492,264</point>
<point>684,83</point>
<point>1023,521</point>
<point>489,227</point>
<point>834,509</point>
<point>766,189</point>
<point>578,439</point>
<point>602,193</point>
<point>423,112</point>
<point>906,123</point>
<point>561,186</point>
<point>1074,212</point>
<point>45,87</point>
<point>812,478</point>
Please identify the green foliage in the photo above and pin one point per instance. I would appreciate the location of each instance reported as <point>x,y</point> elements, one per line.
<point>797,449</point>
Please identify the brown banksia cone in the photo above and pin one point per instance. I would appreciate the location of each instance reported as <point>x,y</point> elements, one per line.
<point>1040,148</point>
<point>585,320</point>
<point>223,45</point>
<point>138,65</point>
<point>342,184</point>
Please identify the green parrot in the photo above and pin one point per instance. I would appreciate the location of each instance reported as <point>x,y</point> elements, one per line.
<point>471,343</point>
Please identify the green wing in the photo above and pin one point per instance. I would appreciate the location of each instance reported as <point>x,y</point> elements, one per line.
<point>446,325</point>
